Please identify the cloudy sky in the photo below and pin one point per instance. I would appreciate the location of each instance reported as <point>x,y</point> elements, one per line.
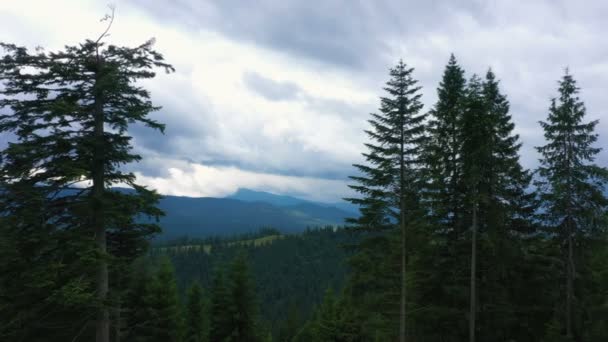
<point>274,95</point>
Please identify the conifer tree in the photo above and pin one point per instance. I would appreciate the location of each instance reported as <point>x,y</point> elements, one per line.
<point>438,296</point>
<point>139,316</point>
<point>443,150</point>
<point>195,319</point>
<point>70,111</point>
<point>164,306</point>
<point>498,207</point>
<point>389,184</point>
<point>242,307</point>
<point>476,158</point>
<point>505,217</point>
<point>220,324</point>
<point>571,188</point>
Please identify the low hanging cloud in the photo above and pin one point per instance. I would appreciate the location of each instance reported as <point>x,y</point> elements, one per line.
<point>191,179</point>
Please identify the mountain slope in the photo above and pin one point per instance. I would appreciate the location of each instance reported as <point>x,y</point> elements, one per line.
<point>248,195</point>
<point>207,216</point>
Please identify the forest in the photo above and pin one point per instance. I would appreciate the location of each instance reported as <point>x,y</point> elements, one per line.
<point>454,241</point>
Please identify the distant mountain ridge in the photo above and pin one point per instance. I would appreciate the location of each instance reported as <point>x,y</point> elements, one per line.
<point>243,212</point>
<point>248,195</point>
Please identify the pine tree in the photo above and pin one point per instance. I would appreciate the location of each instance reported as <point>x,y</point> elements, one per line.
<point>443,150</point>
<point>390,182</point>
<point>571,186</point>
<point>505,217</point>
<point>220,326</point>
<point>195,319</point>
<point>164,306</point>
<point>334,321</point>
<point>497,205</point>
<point>70,111</point>
<point>438,297</point>
<point>476,129</point>
<point>139,316</point>
<point>242,302</point>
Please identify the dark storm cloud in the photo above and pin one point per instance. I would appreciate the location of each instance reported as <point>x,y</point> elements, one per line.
<point>345,33</point>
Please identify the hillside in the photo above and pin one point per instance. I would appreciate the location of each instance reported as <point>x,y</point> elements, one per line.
<point>290,270</point>
<point>208,216</point>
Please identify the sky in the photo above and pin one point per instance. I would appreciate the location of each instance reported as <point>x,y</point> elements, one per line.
<point>275,95</point>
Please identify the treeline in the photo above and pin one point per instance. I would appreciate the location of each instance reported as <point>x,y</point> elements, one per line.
<point>469,245</point>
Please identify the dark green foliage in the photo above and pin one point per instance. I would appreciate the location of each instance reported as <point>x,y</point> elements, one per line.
<point>220,326</point>
<point>163,302</point>
<point>152,307</point>
<point>289,271</point>
<point>242,303</point>
<point>137,314</point>
<point>334,321</point>
<point>196,319</point>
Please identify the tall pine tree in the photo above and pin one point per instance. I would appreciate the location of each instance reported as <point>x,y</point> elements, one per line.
<point>439,297</point>
<point>164,307</point>
<point>242,306</point>
<point>195,315</point>
<point>220,324</point>
<point>571,188</point>
<point>70,111</point>
<point>389,183</point>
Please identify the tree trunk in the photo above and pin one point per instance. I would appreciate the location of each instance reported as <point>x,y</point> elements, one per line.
<point>402,330</point>
<point>569,284</point>
<point>102,325</point>
<point>473,305</point>
<point>403,309</point>
<point>118,323</point>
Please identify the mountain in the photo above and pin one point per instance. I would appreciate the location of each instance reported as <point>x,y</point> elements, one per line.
<point>209,216</point>
<point>244,212</point>
<point>248,195</point>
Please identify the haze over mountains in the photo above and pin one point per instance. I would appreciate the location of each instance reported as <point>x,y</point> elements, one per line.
<point>246,211</point>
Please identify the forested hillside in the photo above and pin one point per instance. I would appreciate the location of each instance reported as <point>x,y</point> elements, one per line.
<point>290,272</point>
<point>453,238</point>
<point>206,216</point>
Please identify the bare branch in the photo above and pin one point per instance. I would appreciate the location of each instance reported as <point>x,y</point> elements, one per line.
<point>110,18</point>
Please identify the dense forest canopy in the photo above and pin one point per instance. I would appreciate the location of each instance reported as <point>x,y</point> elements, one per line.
<point>453,239</point>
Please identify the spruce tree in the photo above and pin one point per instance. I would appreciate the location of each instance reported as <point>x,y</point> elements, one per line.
<point>443,151</point>
<point>439,296</point>
<point>242,306</point>
<point>70,111</point>
<point>390,181</point>
<point>138,314</point>
<point>164,306</point>
<point>505,218</point>
<point>220,324</point>
<point>195,318</point>
<point>476,158</point>
<point>571,188</point>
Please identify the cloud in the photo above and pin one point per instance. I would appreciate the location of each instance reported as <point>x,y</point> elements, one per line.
<point>270,89</point>
<point>192,179</point>
<point>281,90</point>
